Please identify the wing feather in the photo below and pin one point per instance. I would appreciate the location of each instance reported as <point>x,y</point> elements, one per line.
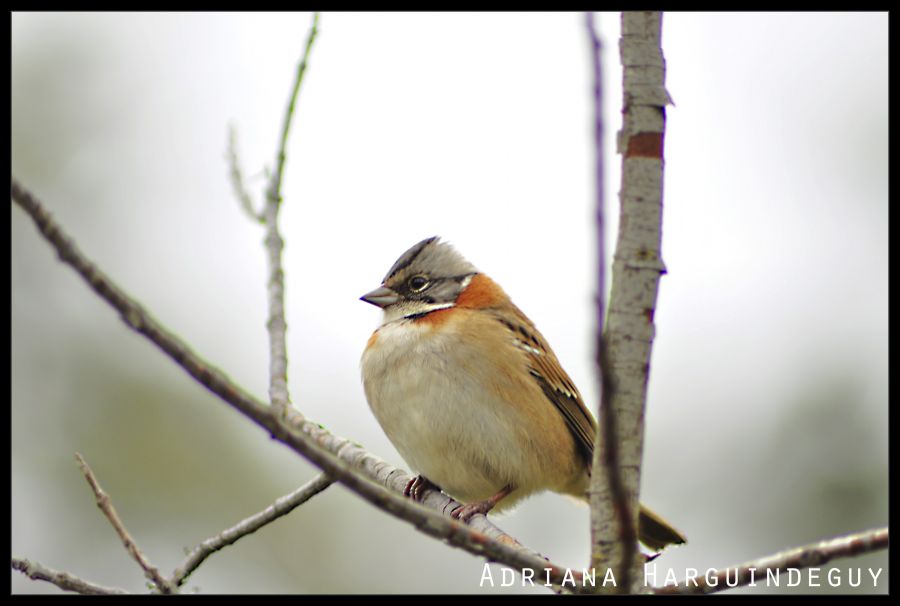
<point>555,383</point>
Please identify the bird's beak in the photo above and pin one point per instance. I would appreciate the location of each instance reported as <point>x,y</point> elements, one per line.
<point>381,296</point>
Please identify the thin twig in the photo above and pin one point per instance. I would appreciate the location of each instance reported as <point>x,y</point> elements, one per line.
<point>237,178</point>
<point>277,326</point>
<point>807,556</point>
<point>279,508</point>
<point>606,445</point>
<point>338,457</point>
<point>599,175</point>
<point>64,580</point>
<point>106,506</point>
<point>274,192</point>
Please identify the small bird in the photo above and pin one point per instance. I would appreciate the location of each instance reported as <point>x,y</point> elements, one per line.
<point>470,393</point>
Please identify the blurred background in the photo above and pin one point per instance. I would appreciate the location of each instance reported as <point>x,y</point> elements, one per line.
<point>768,399</point>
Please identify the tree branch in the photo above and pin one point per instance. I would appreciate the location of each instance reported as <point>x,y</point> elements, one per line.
<point>278,390</point>
<point>106,506</point>
<point>274,192</point>
<point>279,397</point>
<point>237,177</point>
<point>608,483</point>
<point>807,556</point>
<point>64,580</point>
<point>637,267</point>
<point>229,536</point>
<point>338,457</point>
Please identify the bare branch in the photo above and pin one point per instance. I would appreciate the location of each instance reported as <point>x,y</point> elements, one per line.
<point>64,580</point>
<point>336,456</point>
<point>606,442</point>
<point>279,508</point>
<point>637,267</point>
<point>274,192</point>
<point>807,556</point>
<point>278,390</point>
<point>237,177</point>
<point>106,506</point>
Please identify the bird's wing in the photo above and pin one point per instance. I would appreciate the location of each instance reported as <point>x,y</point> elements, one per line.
<point>556,384</point>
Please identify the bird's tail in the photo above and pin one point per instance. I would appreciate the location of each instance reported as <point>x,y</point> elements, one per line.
<point>655,532</point>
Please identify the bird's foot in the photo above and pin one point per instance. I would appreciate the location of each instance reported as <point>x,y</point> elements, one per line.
<point>464,512</point>
<point>416,487</point>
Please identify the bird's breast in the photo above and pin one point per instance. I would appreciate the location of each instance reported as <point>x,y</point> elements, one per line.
<point>470,421</point>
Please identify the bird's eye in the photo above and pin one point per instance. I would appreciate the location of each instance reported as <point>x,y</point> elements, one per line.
<point>418,283</point>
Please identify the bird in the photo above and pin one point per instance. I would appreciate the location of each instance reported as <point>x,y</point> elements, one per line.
<point>471,395</point>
